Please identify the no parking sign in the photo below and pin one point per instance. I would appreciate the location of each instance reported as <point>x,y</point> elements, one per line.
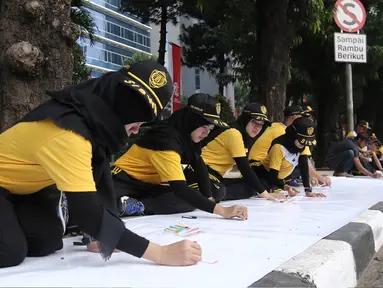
<point>349,15</point>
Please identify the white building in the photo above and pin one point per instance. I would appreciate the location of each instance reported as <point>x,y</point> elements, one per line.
<point>193,80</point>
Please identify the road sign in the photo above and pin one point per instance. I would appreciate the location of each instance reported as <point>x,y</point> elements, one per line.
<point>349,15</point>
<point>351,48</point>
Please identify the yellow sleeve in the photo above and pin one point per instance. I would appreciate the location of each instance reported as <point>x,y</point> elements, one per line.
<point>276,156</point>
<point>306,152</point>
<point>67,158</point>
<point>168,165</point>
<point>233,143</point>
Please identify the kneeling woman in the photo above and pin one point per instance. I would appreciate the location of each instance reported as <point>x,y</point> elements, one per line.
<point>227,146</point>
<point>286,152</point>
<point>151,171</point>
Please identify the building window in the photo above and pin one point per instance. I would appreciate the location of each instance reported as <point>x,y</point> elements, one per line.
<point>197,79</point>
<point>123,33</point>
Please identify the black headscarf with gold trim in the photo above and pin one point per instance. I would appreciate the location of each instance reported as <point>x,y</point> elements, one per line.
<point>174,134</point>
<point>103,103</point>
<point>303,130</point>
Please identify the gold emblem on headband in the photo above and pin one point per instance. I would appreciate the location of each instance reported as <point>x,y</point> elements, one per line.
<point>218,108</point>
<point>310,131</point>
<point>263,109</point>
<point>157,79</point>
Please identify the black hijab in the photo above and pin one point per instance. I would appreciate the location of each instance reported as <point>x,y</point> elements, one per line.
<point>240,125</point>
<point>287,140</point>
<point>104,105</point>
<point>174,134</point>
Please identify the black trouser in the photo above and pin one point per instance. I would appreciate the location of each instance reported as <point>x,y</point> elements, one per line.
<point>342,162</point>
<point>217,185</point>
<point>237,188</point>
<point>264,177</point>
<point>29,226</point>
<point>157,199</point>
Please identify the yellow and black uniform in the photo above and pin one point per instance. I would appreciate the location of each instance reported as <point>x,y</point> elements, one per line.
<point>227,146</point>
<point>66,143</point>
<point>284,155</point>
<point>261,147</point>
<point>220,153</point>
<point>151,170</point>
<point>151,166</point>
<point>38,151</point>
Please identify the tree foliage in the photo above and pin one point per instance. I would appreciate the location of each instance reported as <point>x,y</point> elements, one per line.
<point>84,19</point>
<point>160,12</point>
<point>80,71</point>
<point>207,44</point>
<point>139,56</point>
<point>227,114</point>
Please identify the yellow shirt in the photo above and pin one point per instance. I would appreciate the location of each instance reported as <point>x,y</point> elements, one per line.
<point>280,159</point>
<point>151,166</point>
<point>261,147</point>
<point>34,155</point>
<point>219,154</point>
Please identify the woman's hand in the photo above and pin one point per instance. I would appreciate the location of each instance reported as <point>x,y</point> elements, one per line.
<point>319,195</point>
<point>291,190</point>
<point>232,211</point>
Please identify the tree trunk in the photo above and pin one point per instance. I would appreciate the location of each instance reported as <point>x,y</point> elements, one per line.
<point>328,113</point>
<point>162,47</point>
<point>35,46</point>
<point>274,37</point>
<point>222,69</point>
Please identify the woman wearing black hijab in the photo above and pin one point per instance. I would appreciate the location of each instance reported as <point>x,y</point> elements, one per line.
<point>67,142</point>
<point>285,154</point>
<point>228,146</point>
<point>151,170</point>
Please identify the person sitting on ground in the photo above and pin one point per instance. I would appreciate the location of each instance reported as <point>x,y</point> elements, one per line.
<point>150,175</point>
<point>362,127</point>
<point>261,147</point>
<point>365,156</point>
<point>344,155</point>
<point>259,150</point>
<point>66,142</point>
<point>285,153</point>
<point>227,146</point>
<point>315,177</point>
<point>375,147</point>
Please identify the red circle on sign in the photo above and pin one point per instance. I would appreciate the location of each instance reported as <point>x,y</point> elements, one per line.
<point>340,5</point>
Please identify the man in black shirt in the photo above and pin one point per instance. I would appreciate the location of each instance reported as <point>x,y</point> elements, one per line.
<point>345,154</point>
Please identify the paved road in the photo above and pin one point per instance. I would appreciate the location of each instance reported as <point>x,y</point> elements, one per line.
<point>373,277</point>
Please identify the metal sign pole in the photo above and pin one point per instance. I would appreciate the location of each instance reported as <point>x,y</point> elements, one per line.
<point>349,98</point>
<point>346,42</point>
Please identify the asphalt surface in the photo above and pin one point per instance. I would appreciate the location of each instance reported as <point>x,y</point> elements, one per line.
<point>373,276</point>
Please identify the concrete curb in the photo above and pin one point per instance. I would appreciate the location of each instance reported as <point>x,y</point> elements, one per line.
<point>338,260</point>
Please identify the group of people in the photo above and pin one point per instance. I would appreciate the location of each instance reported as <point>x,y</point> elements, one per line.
<point>54,165</point>
<point>360,153</point>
